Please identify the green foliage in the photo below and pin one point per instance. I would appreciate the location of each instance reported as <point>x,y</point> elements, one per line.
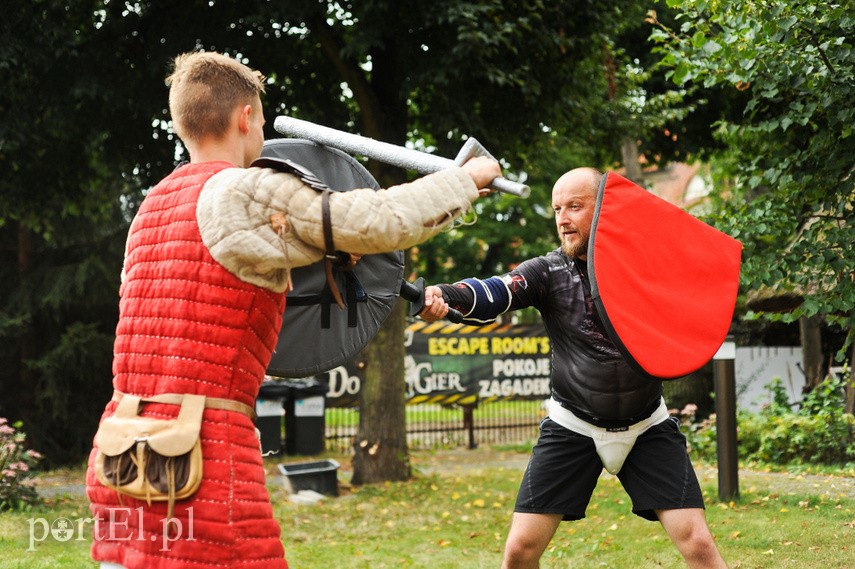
<point>70,143</point>
<point>526,79</point>
<point>780,399</point>
<point>785,180</point>
<point>700,435</point>
<point>17,468</point>
<point>57,323</point>
<point>529,79</point>
<point>819,432</point>
<point>77,162</point>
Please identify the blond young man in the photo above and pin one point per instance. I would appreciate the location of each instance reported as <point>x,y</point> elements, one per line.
<point>207,266</point>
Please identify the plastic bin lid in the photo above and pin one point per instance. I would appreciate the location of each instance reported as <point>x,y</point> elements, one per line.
<point>308,467</point>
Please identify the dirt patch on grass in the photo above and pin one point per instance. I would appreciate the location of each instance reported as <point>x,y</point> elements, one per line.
<point>785,483</point>
<point>459,461</point>
<point>456,462</point>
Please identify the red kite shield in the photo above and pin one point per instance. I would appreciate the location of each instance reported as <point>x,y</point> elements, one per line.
<point>664,283</point>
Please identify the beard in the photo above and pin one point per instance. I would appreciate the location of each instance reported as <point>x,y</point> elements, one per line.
<point>577,249</point>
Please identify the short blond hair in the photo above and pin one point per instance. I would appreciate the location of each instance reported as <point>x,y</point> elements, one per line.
<point>204,89</point>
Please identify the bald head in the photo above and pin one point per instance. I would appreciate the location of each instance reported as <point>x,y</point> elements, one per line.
<point>587,179</point>
<point>574,197</point>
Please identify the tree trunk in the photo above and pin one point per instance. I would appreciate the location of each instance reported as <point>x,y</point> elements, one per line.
<point>381,442</point>
<point>24,395</point>
<point>850,387</point>
<point>629,154</point>
<point>629,145</point>
<point>811,350</point>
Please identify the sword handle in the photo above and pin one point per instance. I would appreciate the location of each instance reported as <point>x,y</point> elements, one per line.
<point>472,148</point>
<point>502,184</point>
<point>415,293</point>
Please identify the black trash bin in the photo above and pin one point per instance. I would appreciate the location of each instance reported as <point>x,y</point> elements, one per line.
<point>304,417</point>
<point>269,408</point>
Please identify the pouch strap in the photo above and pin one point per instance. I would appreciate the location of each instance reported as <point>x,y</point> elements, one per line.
<point>210,402</point>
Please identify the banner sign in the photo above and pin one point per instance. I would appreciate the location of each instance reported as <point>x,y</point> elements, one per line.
<point>459,364</point>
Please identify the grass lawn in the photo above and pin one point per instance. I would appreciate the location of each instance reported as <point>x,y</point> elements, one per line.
<point>454,515</point>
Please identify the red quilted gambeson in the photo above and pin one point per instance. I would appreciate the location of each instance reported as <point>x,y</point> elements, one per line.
<point>187,325</point>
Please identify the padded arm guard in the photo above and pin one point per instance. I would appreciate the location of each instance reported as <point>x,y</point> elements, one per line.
<point>492,298</point>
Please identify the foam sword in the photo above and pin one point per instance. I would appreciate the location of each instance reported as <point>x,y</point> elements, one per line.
<point>421,162</point>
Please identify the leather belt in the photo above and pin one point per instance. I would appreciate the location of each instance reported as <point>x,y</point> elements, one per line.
<point>210,402</point>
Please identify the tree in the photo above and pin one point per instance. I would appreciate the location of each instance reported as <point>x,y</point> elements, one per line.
<point>524,78</point>
<point>789,159</point>
<point>60,229</point>
<point>433,73</point>
<point>84,132</point>
<point>667,122</point>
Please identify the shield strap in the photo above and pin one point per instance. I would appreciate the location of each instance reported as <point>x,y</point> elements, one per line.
<point>334,261</point>
<point>330,254</point>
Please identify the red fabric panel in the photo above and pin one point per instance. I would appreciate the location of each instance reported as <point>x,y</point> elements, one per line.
<point>665,282</point>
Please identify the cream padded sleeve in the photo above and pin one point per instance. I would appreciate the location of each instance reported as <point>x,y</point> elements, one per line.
<point>259,223</point>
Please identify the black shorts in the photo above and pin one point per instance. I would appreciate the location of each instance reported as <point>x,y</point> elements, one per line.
<point>564,469</point>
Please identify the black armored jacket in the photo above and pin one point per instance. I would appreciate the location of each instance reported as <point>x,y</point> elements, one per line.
<point>589,375</point>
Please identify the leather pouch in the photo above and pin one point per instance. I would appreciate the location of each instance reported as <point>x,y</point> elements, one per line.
<point>151,459</point>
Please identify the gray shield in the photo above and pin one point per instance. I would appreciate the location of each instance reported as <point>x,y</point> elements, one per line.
<point>316,334</point>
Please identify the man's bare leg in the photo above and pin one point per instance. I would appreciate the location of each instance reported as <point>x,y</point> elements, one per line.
<point>528,538</point>
<point>689,531</point>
